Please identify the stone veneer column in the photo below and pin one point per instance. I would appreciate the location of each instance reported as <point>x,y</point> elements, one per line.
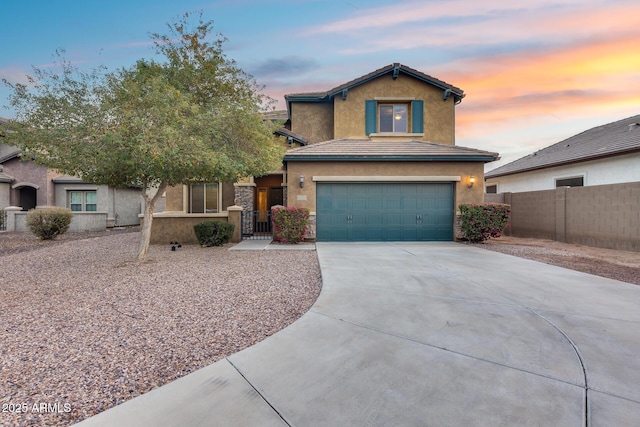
<point>311,227</point>
<point>244,199</point>
<point>244,195</point>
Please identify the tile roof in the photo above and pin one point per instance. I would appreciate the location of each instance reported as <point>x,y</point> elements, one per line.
<point>393,68</point>
<point>611,139</point>
<point>368,150</point>
<point>8,152</point>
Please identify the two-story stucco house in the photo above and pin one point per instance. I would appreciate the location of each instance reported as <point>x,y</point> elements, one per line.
<point>373,159</point>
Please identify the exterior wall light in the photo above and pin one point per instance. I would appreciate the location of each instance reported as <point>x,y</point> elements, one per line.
<point>301,181</point>
<point>472,180</point>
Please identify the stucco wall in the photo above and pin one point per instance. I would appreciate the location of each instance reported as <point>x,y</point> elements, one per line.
<point>174,199</point>
<point>102,194</point>
<point>439,118</point>
<point>167,227</point>
<point>306,197</point>
<point>125,206</point>
<point>122,206</point>
<point>5,190</point>
<point>81,221</point>
<point>610,170</point>
<point>25,171</point>
<point>314,121</point>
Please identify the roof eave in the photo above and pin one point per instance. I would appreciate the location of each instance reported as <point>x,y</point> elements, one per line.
<point>488,175</point>
<point>393,69</point>
<point>388,158</point>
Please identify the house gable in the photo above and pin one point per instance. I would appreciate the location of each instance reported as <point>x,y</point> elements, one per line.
<point>351,110</point>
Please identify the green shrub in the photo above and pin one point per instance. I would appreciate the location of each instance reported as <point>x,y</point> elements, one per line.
<point>213,233</point>
<point>480,222</point>
<point>48,223</point>
<point>290,224</point>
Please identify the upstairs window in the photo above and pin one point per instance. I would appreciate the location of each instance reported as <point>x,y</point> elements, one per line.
<point>394,117</point>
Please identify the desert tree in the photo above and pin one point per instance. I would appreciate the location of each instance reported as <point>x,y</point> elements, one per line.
<point>189,115</point>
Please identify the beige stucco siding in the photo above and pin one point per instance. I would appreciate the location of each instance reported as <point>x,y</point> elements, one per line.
<point>174,199</point>
<point>314,121</point>
<point>306,197</point>
<point>439,118</point>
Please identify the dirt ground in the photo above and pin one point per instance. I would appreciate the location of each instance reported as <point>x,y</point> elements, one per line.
<point>610,263</point>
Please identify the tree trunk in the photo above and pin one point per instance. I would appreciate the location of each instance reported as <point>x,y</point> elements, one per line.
<point>145,233</point>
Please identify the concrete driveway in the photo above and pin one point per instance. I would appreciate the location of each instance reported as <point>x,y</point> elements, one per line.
<point>426,334</point>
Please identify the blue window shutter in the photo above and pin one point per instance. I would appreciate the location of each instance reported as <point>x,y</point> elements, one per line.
<point>371,116</point>
<point>417,116</point>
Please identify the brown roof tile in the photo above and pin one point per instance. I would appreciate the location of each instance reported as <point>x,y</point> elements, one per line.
<point>368,150</point>
<point>457,92</point>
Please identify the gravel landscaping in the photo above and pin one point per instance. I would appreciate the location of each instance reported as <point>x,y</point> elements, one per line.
<point>84,328</point>
<point>610,263</point>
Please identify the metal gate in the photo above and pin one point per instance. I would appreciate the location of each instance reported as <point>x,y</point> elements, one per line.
<point>256,225</point>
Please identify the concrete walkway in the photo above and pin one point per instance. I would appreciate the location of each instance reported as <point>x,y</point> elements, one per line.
<point>436,334</point>
<point>268,245</point>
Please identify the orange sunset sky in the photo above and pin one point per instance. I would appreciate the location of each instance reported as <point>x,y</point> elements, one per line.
<point>534,72</point>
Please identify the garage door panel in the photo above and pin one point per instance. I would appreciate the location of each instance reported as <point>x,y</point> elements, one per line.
<point>384,211</point>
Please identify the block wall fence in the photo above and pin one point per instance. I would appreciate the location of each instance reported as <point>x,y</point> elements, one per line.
<point>606,216</point>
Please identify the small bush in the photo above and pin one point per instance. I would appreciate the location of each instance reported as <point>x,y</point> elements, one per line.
<point>290,224</point>
<point>481,222</point>
<point>48,223</point>
<point>213,233</point>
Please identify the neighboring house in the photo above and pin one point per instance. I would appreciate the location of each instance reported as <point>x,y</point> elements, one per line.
<point>608,154</point>
<point>28,185</point>
<point>373,159</point>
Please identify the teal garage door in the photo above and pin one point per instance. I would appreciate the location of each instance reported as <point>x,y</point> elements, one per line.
<point>384,212</point>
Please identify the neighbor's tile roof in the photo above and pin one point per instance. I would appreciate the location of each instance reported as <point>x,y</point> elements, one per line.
<point>457,92</point>
<point>611,139</point>
<point>8,152</point>
<point>368,150</point>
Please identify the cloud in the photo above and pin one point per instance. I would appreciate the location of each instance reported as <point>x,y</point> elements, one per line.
<point>403,13</point>
<point>283,67</point>
<point>507,28</point>
<point>14,75</point>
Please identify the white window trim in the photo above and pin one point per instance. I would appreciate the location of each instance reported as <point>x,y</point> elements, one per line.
<point>582,175</point>
<point>397,134</point>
